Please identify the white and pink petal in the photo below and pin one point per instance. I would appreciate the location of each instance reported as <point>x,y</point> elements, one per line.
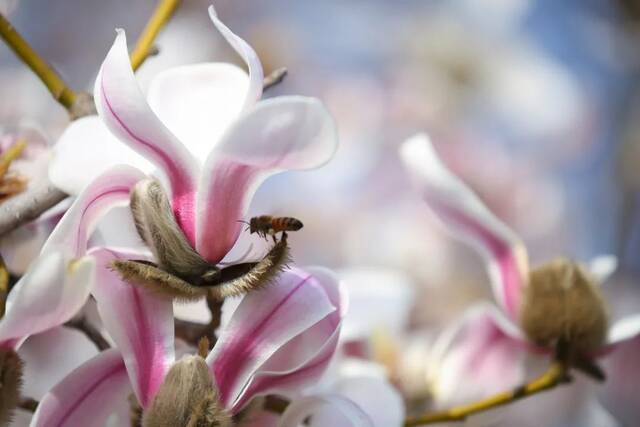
<point>284,133</point>
<point>465,216</point>
<point>89,396</point>
<point>264,323</point>
<point>140,323</point>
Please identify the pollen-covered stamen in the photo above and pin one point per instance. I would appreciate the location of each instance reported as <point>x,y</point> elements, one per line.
<point>10,383</point>
<point>563,306</point>
<point>188,397</point>
<point>11,183</point>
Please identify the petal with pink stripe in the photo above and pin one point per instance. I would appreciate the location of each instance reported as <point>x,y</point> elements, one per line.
<point>256,75</point>
<point>123,108</point>
<point>465,216</point>
<point>139,322</point>
<point>51,292</point>
<point>86,397</point>
<point>284,133</point>
<point>264,322</point>
<point>302,361</point>
<point>109,190</point>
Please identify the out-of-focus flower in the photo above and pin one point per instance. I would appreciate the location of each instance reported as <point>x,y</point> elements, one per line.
<point>556,304</point>
<point>206,131</point>
<point>278,340</point>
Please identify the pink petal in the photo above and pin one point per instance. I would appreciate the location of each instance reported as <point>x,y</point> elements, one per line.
<point>88,396</point>
<point>109,190</point>
<point>285,133</point>
<point>619,393</point>
<point>52,292</point>
<point>124,110</point>
<point>188,98</point>
<point>85,150</point>
<point>328,410</point>
<point>254,92</point>
<point>265,322</point>
<point>139,322</point>
<point>463,214</point>
<point>50,356</point>
<point>481,355</point>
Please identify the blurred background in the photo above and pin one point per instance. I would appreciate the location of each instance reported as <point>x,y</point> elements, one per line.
<point>535,104</point>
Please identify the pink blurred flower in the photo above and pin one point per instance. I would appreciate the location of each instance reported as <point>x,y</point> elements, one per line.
<point>278,340</point>
<point>487,347</point>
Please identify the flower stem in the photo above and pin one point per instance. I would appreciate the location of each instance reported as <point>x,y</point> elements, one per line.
<point>555,375</point>
<point>144,46</point>
<point>47,74</point>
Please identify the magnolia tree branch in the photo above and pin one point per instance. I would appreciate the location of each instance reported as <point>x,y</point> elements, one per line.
<point>144,47</point>
<point>554,376</point>
<point>27,206</point>
<point>273,78</point>
<point>51,79</point>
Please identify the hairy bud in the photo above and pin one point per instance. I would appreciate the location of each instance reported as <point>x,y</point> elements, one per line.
<point>187,398</point>
<point>562,304</point>
<point>10,384</point>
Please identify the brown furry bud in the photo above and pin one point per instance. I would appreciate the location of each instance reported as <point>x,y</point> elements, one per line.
<point>562,304</point>
<point>188,397</point>
<point>10,384</point>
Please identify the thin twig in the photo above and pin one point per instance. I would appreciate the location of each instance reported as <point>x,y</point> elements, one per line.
<point>144,47</point>
<point>4,286</point>
<point>28,205</point>
<point>59,89</point>
<point>555,375</point>
<point>273,78</point>
<point>90,331</point>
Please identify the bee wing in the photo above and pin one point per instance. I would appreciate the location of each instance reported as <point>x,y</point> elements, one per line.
<point>465,216</point>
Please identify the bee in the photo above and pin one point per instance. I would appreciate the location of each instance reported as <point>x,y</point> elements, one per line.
<point>264,225</point>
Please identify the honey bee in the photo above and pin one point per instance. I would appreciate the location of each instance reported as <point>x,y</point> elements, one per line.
<point>264,225</point>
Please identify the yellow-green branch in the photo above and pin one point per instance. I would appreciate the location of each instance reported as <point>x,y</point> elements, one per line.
<point>58,88</point>
<point>555,375</point>
<point>144,46</point>
<point>4,287</point>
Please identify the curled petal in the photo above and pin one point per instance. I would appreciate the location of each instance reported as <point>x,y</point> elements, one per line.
<point>139,322</point>
<point>50,356</point>
<point>328,410</point>
<point>619,394</point>
<point>124,110</point>
<point>464,215</point>
<point>481,355</point>
<point>88,396</point>
<point>265,321</point>
<point>254,91</point>
<point>199,102</point>
<point>85,150</point>
<point>284,133</point>
<point>109,190</point>
<point>52,292</point>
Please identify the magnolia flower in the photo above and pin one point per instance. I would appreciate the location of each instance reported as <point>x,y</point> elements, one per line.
<point>278,340</point>
<point>555,305</point>
<point>205,131</point>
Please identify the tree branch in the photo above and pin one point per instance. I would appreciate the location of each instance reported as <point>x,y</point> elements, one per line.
<point>45,72</point>
<point>27,206</point>
<point>144,46</point>
<point>554,376</point>
<point>92,333</point>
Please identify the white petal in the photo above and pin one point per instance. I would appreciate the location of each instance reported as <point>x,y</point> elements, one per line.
<point>85,150</point>
<point>198,102</point>
<point>602,267</point>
